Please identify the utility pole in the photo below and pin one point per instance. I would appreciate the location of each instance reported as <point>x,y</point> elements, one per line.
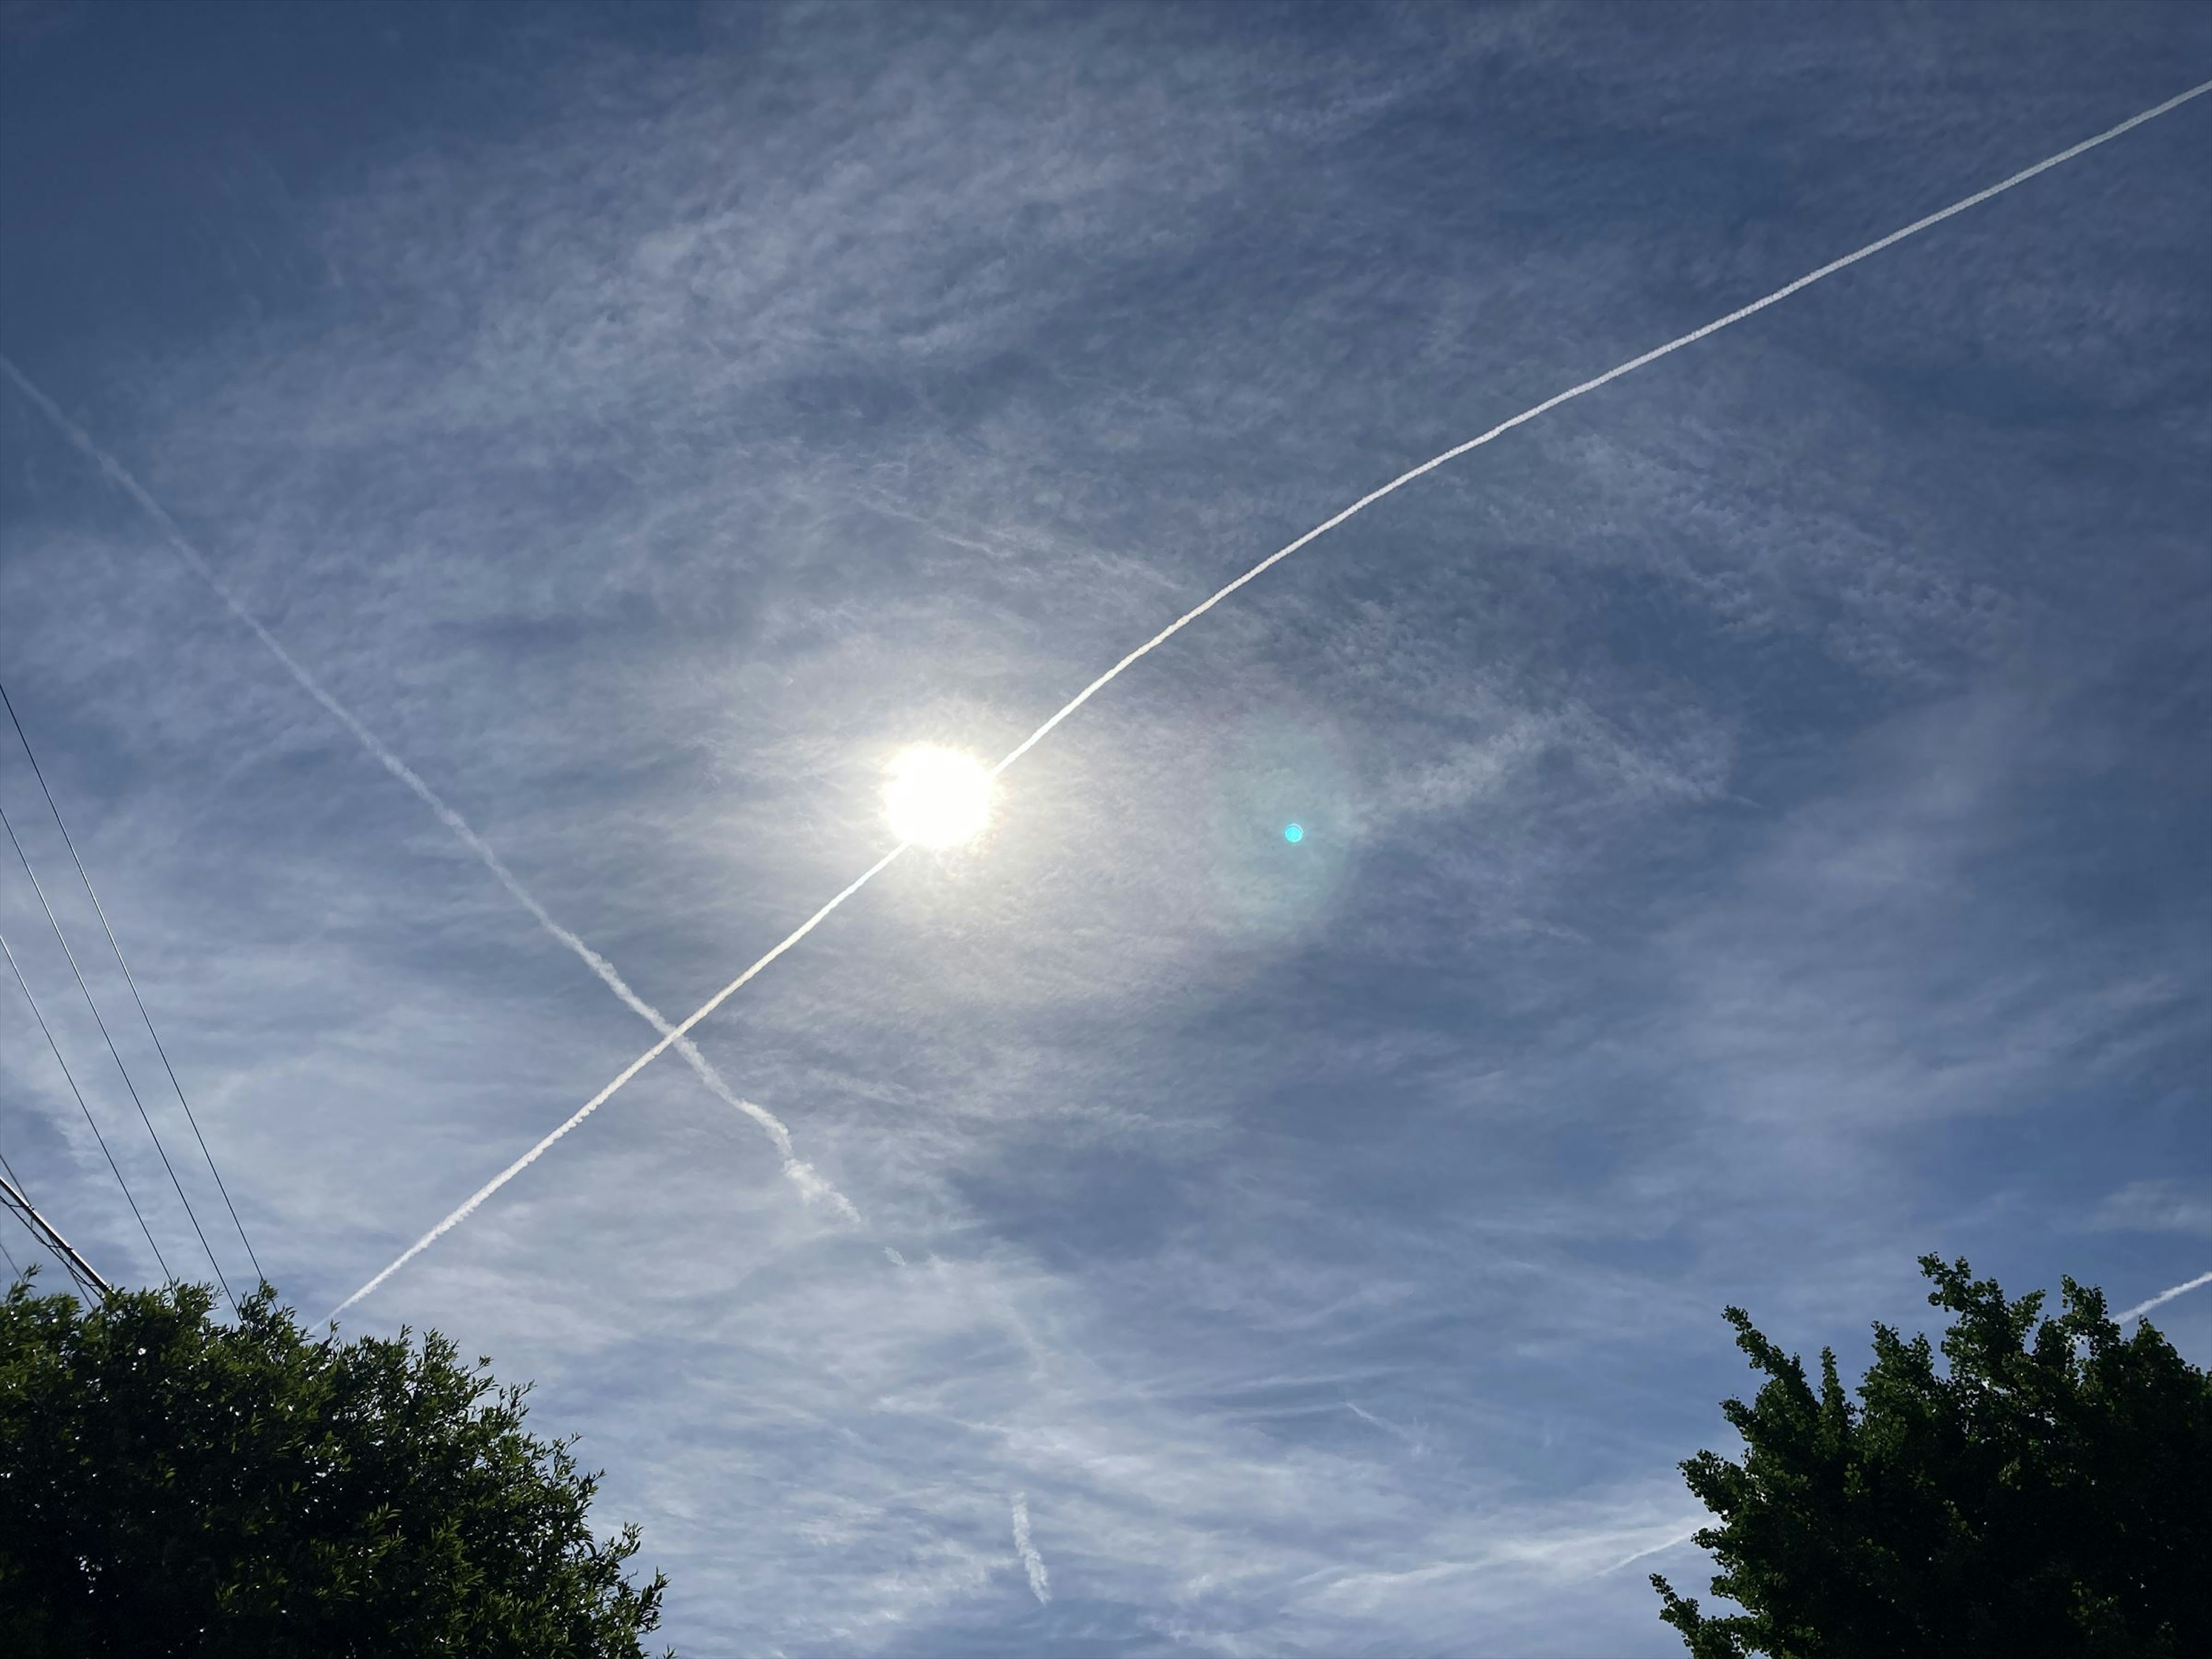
<point>87,1281</point>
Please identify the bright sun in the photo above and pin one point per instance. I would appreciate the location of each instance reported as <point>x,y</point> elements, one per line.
<point>937,796</point>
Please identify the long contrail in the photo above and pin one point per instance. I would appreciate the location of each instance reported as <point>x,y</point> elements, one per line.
<point>2161,1299</point>
<point>117,474</point>
<point>1196,611</point>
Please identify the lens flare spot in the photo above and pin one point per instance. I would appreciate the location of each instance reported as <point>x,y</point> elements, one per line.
<point>937,796</point>
<point>1294,833</point>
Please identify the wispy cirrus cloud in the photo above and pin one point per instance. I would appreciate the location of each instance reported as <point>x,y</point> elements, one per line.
<point>2162,1205</point>
<point>1747,813</point>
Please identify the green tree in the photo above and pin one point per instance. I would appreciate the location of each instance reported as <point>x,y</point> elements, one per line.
<point>2047,1491</point>
<point>172,1485</point>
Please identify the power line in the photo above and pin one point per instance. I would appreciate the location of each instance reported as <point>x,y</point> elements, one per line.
<point>90,1123</point>
<point>88,1282</point>
<point>42,1230</point>
<point>70,843</point>
<point>116,1053</point>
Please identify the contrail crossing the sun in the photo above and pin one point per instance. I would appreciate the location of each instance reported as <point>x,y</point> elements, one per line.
<point>1265,564</point>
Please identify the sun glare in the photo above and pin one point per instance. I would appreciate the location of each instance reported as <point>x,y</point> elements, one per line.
<point>937,796</point>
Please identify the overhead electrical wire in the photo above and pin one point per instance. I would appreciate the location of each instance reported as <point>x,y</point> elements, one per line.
<point>69,842</point>
<point>91,1122</point>
<point>89,1284</point>
<point>9,1170</point>
<point>116,1055</point>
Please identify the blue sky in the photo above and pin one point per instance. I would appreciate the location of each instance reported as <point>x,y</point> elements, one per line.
<point>1759,816</point>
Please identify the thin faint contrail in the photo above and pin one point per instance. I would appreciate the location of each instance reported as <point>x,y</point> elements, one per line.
<point>1032,1563</point>
<point>1196,611</point>
<point>117,474</point>
<point>1668,1543</point>
<point>2162,1298</point>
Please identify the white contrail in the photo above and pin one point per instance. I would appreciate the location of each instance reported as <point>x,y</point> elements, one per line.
<point>1667,1543</point>
<point>1273,559</point>
<point>468,1207</point>
<point>1032,1563</point>
<point>1420,1447</point>
<point>2162,1298</point>
<point>1574,391</point>
<point>801,1173</point>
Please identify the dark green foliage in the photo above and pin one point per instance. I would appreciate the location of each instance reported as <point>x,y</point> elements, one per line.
<point>173,1485</point>
<point>2049,1491</point>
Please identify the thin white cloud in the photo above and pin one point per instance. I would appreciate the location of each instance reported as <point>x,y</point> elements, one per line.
<point>1419,1443</point>
<point>2154,1206</point>
<point>1032,1563</point>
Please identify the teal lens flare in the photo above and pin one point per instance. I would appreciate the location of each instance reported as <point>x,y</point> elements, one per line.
<point>1294,833</point>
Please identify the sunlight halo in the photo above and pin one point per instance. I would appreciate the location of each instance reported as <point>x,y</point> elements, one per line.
<point>937,796</point>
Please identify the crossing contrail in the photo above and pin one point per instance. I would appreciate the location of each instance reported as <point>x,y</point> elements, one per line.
<point>1197,611</point>
<point>801,1173</point>
<point>468,1207</point>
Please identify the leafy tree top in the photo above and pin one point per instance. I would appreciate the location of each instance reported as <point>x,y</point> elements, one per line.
<point>170,1484</point>
<point>2043,1490</point>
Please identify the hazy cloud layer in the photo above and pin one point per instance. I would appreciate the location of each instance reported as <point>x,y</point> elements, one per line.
<point>1757,818</point>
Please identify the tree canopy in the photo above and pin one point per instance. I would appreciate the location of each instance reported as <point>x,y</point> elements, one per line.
<point>2047,1489</point>
<point>173,1485</point>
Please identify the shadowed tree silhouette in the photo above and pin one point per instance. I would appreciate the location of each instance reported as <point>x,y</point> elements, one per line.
<point>2043,1491</point>
<point>170,1484</point>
